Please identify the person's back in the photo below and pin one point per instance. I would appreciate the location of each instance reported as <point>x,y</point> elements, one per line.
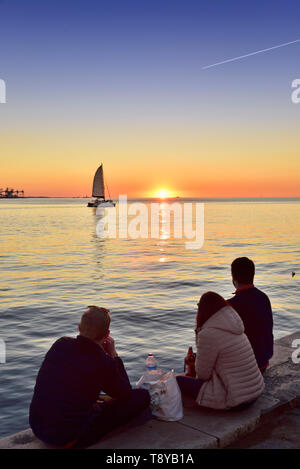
<point>227,375</point>
<point>64,407</point>
<point>225,360</point>
<point>254,308</point>
<point>72,375</point>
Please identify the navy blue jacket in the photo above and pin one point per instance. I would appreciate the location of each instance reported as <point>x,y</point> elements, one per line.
<point>69,381</point>
<point>255,310</point>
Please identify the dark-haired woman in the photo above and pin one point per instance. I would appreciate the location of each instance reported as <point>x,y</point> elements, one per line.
<point>227,375</point>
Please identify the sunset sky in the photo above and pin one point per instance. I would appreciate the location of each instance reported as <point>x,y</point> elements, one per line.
<point>123,83</point>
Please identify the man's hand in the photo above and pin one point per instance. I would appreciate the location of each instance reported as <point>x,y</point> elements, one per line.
<point>109,347</point>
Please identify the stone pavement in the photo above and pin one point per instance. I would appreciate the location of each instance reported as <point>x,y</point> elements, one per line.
<point>205,428</point>
<point>283,432</point>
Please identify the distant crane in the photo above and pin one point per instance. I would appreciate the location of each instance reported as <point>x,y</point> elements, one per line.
<point>10,193</point>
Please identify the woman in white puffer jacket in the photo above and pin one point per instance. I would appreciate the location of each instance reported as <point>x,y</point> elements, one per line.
<point>227,374</point>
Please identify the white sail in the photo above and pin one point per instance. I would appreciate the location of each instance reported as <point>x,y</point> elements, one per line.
<point>98,191</point>
<point>98,185</point>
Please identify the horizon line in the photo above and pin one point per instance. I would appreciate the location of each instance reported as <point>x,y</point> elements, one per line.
<point>155,198</point>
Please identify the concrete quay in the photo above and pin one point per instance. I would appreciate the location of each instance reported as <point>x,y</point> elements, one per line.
<point>202,428</point>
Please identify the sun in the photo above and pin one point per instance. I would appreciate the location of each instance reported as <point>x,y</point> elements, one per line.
<point>163,193</point>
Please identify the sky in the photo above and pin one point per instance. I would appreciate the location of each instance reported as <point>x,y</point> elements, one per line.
<point>125,83</point>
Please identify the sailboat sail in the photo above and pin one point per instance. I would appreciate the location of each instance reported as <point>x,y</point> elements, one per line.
<point>98,185</point>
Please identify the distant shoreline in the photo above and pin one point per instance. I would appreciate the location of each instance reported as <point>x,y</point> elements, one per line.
<point>42,197</point>
<point>204,199</point>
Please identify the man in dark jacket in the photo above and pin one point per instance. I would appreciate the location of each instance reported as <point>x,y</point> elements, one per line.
<point>65,410</point>
<point>255,310</point>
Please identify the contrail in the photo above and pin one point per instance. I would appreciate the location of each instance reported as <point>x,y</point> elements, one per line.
<point>249,55</point>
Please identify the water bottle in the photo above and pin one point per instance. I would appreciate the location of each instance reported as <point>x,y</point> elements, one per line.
<point>151,364</point>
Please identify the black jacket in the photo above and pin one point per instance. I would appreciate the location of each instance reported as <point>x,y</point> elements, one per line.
<point>255,310</point>
<point>69,381</point>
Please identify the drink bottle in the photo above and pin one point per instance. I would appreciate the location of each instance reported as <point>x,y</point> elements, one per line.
<point>151,364</point>
<point>189,363</point>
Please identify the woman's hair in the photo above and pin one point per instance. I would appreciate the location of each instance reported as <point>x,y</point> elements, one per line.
<point>210,302</point>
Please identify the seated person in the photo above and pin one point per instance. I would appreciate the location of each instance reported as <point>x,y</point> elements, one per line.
<point>255,310</point>
<point>227,375</point>
<point>64,411</point>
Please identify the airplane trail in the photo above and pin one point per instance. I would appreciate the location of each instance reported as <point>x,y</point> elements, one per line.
<point>249,55</point>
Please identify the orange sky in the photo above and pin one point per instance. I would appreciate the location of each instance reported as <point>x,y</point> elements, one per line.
<point>188,163</point>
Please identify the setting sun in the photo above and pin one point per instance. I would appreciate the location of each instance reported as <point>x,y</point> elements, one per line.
<point>163,193</point>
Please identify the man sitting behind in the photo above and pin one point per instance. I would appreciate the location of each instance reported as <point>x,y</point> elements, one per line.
<point>64,411</point>
<point>255,310</point>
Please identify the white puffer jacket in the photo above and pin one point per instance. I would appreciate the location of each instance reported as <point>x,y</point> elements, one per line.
<point>225,360</point>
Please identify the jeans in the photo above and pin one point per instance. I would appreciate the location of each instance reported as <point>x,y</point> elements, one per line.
<point>133,408</point>
<point>189,386</point>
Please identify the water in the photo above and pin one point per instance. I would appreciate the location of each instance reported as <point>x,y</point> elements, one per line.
<point>53,265</point>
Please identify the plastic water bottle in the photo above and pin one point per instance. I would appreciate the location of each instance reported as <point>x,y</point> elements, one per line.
<point>151,364</point>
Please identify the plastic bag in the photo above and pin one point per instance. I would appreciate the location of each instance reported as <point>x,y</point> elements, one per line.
<point>166,401</point>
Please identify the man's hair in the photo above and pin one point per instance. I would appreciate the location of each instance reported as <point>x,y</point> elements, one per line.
<point>95,323</point>
<point>210,302</point>
<point>243,270</point>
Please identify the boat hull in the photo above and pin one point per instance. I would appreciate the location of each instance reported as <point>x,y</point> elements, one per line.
<point>101,203</point>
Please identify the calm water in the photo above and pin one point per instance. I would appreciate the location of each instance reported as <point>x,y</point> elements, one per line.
<point>53,265</point>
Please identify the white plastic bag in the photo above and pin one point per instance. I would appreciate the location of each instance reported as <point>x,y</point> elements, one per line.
<point>166,401</point>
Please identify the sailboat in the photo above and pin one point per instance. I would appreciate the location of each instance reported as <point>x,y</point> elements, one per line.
<point>99,191</point>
